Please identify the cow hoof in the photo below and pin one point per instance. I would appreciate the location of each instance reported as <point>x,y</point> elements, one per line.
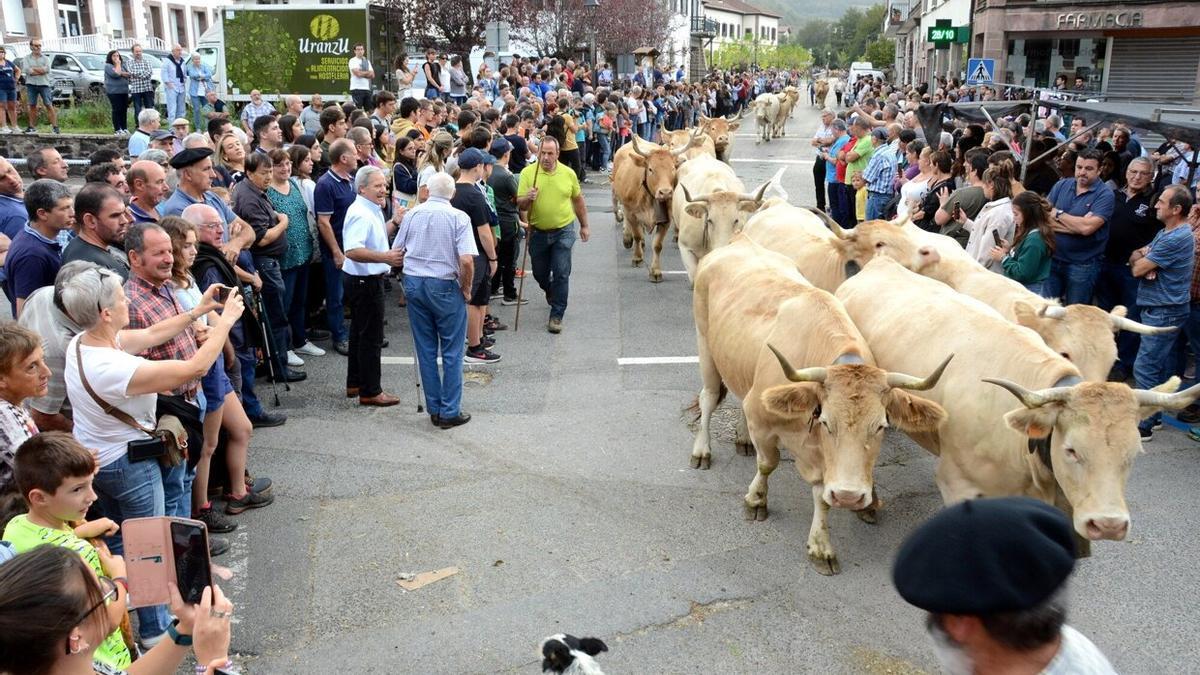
<point>637,262</point>
<point>656,277</point>
<point>745,449</point>
<point>825,565</point>
<point>627,240</point>
<point>754,513</point>
<point>867,515</point>
<point>704,462</point>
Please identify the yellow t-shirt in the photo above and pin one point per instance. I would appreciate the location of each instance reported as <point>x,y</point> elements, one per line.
<point>552,210</point>
<point>860,204</point>
<point>26,536</point>
<point>569,122</point>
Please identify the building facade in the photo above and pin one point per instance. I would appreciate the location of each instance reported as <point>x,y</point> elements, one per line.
<point>1121,49</point>
<point>737,20</point>
<point>86,25</point>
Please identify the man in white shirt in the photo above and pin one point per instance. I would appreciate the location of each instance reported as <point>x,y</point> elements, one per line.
<point>361,74</point>
<point>368,258</point>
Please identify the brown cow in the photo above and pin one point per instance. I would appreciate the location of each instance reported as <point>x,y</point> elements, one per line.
<point>643,184</point>
<point>681,137</point>
<point>822,91</point>
<point>755,313</point>
<point>720,130</point>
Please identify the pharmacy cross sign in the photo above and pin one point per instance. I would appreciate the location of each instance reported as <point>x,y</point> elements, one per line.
<point>981,71</point>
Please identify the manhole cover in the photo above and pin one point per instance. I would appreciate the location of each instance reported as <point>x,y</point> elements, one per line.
<point>477,377</point>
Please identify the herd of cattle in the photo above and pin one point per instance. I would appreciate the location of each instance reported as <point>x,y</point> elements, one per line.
<point>823,333</point>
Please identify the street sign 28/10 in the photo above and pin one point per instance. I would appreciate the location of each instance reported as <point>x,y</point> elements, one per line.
<point>942,34</point>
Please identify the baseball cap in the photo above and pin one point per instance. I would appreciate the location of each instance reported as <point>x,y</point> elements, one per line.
<point>500,147</point>
<point>160,134</point>
<point>473,157</point>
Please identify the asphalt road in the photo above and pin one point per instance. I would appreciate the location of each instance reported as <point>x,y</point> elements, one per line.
<point>568,505</point>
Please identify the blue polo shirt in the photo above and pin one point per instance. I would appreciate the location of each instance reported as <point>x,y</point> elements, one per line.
<point>332,197</point>
<point>1099,201</point>
<point>831,167</point>
<point>13,216</point>
<point>140,216</point>
<point>32,262</point>
<point>1174,252</point>
<point>180,200</point>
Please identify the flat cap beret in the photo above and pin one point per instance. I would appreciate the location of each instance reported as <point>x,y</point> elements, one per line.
<point>985,556</point>
<point>190,156</point>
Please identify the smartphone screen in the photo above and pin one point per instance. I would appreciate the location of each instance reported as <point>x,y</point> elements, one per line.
<point>193,572</point>
<point>996,236</point>
<point>223,293</point>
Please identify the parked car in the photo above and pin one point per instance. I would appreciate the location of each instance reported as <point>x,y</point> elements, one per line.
<point>80,75</point>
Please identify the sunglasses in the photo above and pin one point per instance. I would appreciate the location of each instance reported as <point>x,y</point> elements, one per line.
<point>110,593</point>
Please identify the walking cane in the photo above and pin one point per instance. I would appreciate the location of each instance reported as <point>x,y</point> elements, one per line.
<point>268,346</point>
<point>417,379</point>
<point>528,234</point>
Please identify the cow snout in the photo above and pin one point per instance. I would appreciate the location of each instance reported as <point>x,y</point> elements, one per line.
<point>1112,527</point>
<point>664,194</point>
<point>848,499</point>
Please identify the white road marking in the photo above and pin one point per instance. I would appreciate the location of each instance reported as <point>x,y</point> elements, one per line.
<point>772,161</point>
<point>655,360</point>
<point>674,271</point>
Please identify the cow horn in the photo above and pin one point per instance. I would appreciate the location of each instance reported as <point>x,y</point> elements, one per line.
<point>816,374</point>
<point>687,194</point>
<point>1031,399</point>
<point>757,195</point>
<point>829,222</point>
<point>691,141</point>
<point>1053,312</point>
<point>902,381</point>
<point>1165,400</point>
<point>637,148</point>
<point>1123,323</point>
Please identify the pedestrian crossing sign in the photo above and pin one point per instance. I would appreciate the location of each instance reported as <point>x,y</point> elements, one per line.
<point>981,71</point>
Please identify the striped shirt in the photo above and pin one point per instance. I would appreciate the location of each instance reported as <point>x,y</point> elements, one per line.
<point>881,170</point>
<point>433,236</point>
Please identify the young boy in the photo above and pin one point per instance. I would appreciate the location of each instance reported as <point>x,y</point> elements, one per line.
<point>54,473</point>
<point>860,196</point>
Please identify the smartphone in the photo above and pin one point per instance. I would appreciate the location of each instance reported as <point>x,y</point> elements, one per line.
<point>996,237</point>
<point>223,293</point>
<point>160,550</point>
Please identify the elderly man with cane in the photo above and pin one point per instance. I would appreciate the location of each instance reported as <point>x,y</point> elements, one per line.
<point>439,268</point>
<point>551,195</point>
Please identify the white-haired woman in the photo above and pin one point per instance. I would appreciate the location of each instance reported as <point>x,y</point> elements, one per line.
<point>103,357</point>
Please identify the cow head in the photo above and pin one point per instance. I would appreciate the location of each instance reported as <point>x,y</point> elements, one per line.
<point>719,129</point>
<point>1092,431</point>
<point>659,164</point>
<point>846,409</point>
<point>723,213</point>
<point>1082,334</point>
<point>878,237</point>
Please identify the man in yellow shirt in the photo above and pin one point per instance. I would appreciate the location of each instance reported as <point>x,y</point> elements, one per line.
<point>550,193</point>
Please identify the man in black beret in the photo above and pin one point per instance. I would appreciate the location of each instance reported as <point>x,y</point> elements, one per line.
<point>992,574</point>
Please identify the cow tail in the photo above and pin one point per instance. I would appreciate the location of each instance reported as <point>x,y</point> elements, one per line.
<point>693,408</point>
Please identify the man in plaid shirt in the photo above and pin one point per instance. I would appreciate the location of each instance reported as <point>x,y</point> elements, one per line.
<point>879,174</point>
<point>150,297</point>
<point>141,83</point>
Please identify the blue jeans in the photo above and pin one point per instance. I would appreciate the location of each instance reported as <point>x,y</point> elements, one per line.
<point>295,300</point>
<point>1190,338</point>
<point>841,204</point>
<point>876,205</point>
<point>176,104</point>
<point>437,317</point>
<point>333,298</point>
<point>1036,287</point>
<point>1116,285</point>
<point>1072,283</point>
<point>135,490</point>
<point>550,253</point>
<point>197,104</point>
<point>1155,363</point>
<point>247,362</point>
<point>141,101</point>
<point>605,149</point>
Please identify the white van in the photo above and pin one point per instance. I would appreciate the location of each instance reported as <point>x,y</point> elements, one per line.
<point>860,68</point>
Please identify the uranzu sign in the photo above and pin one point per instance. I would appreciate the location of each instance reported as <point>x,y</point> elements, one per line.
<point>291,49</point>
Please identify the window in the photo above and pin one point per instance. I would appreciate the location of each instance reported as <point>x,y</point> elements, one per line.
<point>14,17</point>
<point>773,35</point>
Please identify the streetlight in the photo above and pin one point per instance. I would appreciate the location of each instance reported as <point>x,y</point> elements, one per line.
<point>592,6</point>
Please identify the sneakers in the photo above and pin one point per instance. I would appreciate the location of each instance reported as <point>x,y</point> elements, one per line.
<point>479,354</point>
<point>252,500</point>
<point>496,295</point>
<point>509,302</point>
<point>554,325</point>
<point>30,130</point>
<point>494,324</point>
<point>268,420</point>
<point>214,521</point>
<point>55,128</point>
<point>293,360</point>
<point>217,546</point>
<point>342,348</point>
<point>487,342</point>
<point>309,349</point>
<point>5,130</point>
<point>1146,434</point>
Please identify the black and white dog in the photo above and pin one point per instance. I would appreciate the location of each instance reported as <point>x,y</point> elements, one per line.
<point>568,654</point>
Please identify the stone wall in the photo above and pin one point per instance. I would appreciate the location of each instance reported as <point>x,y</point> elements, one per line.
<point>70,146</point>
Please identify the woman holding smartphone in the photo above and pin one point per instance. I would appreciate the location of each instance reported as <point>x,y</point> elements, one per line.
<point>50,619</point>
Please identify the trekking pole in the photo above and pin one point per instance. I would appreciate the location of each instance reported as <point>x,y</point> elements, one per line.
<point>417,380</point>
<point>528,235</point>
<point>264,326</point>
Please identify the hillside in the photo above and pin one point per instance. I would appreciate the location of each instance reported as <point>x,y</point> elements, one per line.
<point>796,12</point>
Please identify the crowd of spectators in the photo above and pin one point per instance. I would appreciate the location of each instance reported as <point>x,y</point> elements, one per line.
<point>1097,218</point>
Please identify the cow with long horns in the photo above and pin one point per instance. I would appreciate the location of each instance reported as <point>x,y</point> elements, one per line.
<point>643,184</point>
<point>703,145</point>
<point>720,130</point>
<point>1068,441</point>
<point>1084,334</point>
<point>710,206</point>
<point>807,381</point>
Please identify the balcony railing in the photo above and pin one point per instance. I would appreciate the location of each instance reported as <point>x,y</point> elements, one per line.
<point>704,27</point>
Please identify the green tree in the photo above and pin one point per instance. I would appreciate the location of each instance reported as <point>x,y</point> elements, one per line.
<point>881,53</point>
